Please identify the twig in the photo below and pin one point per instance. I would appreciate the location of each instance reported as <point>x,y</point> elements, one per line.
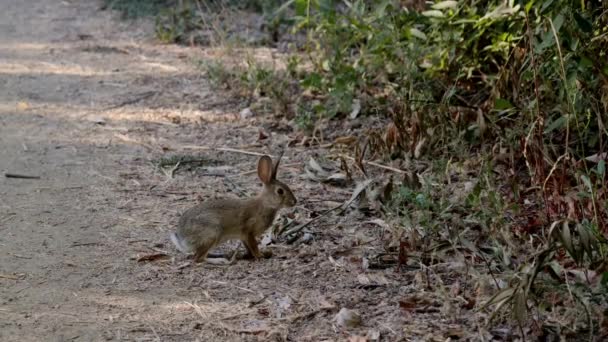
<point>131,140</point>
<point>235,286</point>
<point>294,318</point>
<point>344,205</point>
<point>224,149</point>
<point>136,99</point>
<point>154,331</point>
<point>152,257</point>
<point>235,187</point>
<point>170,172</point>
<point>20,256</point>
<point>389,168</point>
<point>77,244</point>
<point>304,225</point>
<point>256,302</point>
<point>16,175</point>
<point>10,276</point>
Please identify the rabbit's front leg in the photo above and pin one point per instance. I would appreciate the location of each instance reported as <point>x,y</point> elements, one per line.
<point>252,247</point>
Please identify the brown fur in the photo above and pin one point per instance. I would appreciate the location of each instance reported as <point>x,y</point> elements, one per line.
<point>208,224</point>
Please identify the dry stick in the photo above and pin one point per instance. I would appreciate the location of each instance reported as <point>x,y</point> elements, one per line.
<point>16,175</point>
<point>9,276</point>
<point>77,244</point>
<point>138,98</point>
<point>344,205</point>
<point>377,165</point>
<point>131,140</point>
<point>223,149</point>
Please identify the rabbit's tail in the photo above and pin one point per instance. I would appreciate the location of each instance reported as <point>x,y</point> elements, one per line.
<point>179,243</point>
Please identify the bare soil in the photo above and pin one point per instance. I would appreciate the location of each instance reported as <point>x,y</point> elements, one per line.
<point>90,103</point>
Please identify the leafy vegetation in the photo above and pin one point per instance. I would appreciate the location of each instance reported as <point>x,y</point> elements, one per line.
<point>517,91</point>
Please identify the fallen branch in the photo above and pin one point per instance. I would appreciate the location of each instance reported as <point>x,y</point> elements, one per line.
<point>16,175</point>
<point>131,140</point>
<point>358,190</point>
<point>389,168</point>
<point>136,99</point>
<point>10,276</point>
<point>224,149</point>
<point>152,257</point>
<point>78,244</point>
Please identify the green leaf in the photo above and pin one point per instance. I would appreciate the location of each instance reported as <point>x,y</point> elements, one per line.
<point>502,295</point>
<point>558,21</point>
<point>520,308</point>
<point>445,4</point>
<point>433,14</point>
<point>587,182</point>
<point>548,41</point>
<point>312,80</point>
<point>585,63</point>
<point>546,5</point>
<point>301,7</point>
<point>380,10</point>
<point>566,238</point>
<point>584,238</point>
<point>583,24</point>
<point>417,33</point>
<point>502,104</point>
<point>558,123</point>
<point>601,167</point>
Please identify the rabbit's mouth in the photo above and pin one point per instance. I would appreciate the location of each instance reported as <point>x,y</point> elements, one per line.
<point>291,202</point>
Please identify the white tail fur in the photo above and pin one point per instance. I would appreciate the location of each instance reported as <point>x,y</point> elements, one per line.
<point>179,243</point>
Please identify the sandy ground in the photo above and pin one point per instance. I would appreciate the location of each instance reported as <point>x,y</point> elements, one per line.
<point>87,103</point>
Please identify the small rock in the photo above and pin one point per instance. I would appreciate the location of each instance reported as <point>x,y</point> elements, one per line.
<point>306,238</point>
<point>373,335</point>
<point>246,114</point>
<point>98,120</point>
<point>348,318</point>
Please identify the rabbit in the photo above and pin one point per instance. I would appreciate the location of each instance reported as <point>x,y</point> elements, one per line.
<point>212,222</point>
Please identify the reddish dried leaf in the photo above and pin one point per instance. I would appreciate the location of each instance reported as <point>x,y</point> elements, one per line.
<point>152,257</point>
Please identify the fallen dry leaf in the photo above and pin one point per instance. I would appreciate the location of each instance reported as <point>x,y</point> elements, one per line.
<point>414,303</point>
<point>372,279</point>
<point>373,335</point>
<point>348,140</point>
<point>17,276</point>
<point>318,173</point>
<point>152,257</point>
<point>22,105</point>
<point>348,318</point>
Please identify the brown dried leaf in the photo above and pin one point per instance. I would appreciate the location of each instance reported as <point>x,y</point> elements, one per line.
<point>152,257</point>
<point>357,339</point>
<point>372,279</point>
<point>318,173</point>
<point>347,140</point>
<point>414,302</point>
<point>348,318</point>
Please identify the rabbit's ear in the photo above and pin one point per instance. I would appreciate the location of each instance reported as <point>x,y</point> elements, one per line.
<point>276,166</point>
<point>265,170</point>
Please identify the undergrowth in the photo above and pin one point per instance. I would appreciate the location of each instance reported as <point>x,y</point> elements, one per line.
<point>510,96</point>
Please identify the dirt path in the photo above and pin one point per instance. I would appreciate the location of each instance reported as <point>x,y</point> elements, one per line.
<point>87,103</point>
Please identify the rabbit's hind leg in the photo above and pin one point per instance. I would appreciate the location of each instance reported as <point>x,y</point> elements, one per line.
<point>201,252</point>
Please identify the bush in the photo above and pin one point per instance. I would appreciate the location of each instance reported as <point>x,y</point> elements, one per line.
<point>516,85</point>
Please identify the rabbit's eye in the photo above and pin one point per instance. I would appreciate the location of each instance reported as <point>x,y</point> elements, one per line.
<point>280,191</point>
